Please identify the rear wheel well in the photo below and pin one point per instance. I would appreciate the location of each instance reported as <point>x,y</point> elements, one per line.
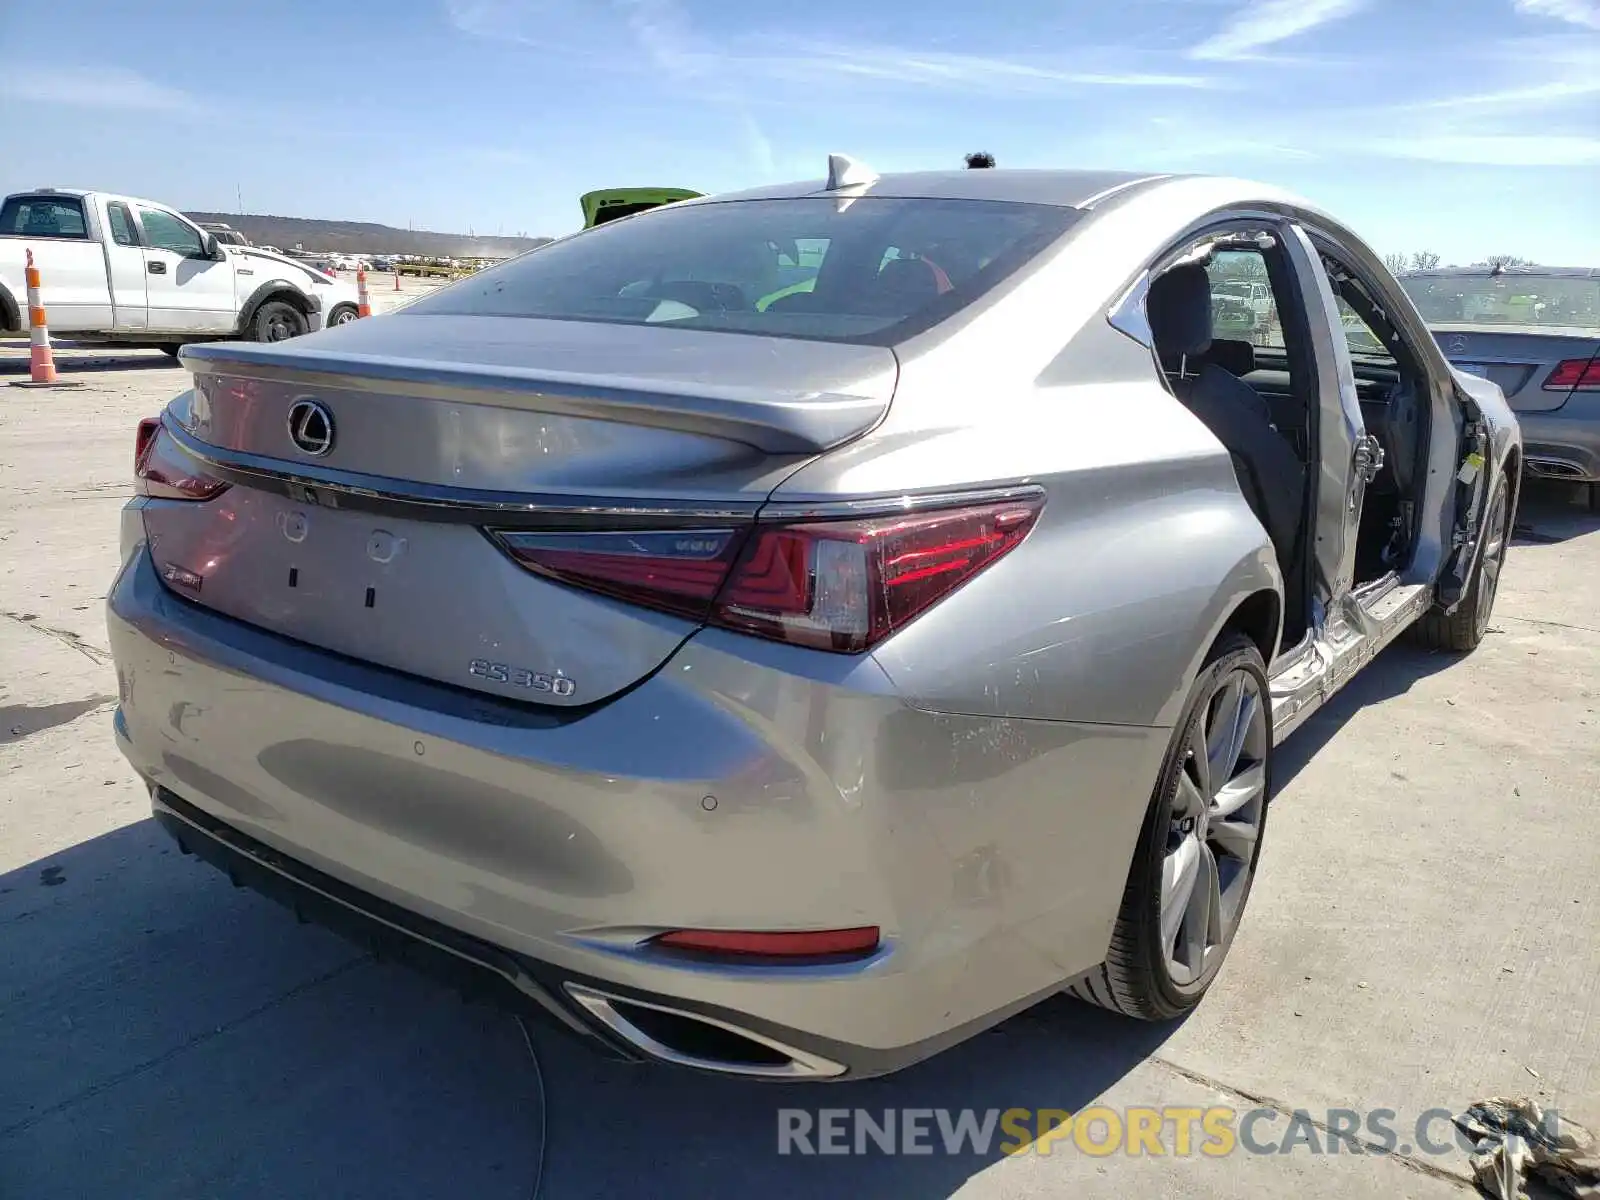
<point>1514,476</point>
<point>1257,617</point>
<point>10,313</point>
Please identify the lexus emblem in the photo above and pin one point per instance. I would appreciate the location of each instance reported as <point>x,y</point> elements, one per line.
<point>1458,345</point>
<point>311,427</point>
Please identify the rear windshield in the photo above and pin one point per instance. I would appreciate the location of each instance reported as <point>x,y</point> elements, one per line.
<point>877,272</point>
<point>43,217</point>
<point>1564,301</point>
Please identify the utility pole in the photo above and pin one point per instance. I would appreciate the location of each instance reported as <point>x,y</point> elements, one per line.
<point>238,191</point>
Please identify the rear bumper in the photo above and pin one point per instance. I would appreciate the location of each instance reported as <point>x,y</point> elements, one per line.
<point>1564,444</point>
<point>724,792</point>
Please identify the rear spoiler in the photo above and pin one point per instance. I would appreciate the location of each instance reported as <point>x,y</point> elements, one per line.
<point>769,420</point>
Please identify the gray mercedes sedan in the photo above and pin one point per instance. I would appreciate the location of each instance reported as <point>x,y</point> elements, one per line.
<point>784,633</point>
<point>1535,331</point>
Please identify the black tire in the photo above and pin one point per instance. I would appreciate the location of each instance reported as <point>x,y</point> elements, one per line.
<point>171,349</point>
<point>342,314</point>
<point>278,321</point>
<point>1465,628</point>
<point>1594,497</point>
<point>1135,979</point>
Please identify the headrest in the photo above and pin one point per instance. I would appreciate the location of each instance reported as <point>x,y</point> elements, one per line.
<point>1179,309</point>
<point>906,284</point>
<point>1236,358</point>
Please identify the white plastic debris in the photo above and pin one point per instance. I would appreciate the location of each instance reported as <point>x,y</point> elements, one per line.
<point>1516,1141</point>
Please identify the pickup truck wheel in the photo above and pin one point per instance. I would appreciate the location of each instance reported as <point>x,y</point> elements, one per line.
<point>1197,852</point>
<point>342,314</point>
<point>1463,629</point>
<point>1594,497</point>
<point>277,321</point>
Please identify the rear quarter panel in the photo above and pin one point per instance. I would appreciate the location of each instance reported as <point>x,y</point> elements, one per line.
<point>1144,549</point>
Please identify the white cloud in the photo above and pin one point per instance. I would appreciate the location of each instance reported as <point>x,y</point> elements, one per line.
<point>659,34</point>
<point>762,157</point>
<point>98,87</point>
<point>968,72</point>
<point>1535,95</point>
<point>1263,23</point>
<point>1491,150</point>
<point>1576,12</point>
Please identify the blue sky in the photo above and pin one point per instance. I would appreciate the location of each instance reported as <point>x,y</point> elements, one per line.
<point>1464,126</point>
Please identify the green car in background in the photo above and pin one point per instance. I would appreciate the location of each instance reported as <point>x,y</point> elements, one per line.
<point>797,263</point>
<point>611,203</point>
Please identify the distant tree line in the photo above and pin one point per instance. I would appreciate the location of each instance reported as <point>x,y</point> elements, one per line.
<point>1423,260</point>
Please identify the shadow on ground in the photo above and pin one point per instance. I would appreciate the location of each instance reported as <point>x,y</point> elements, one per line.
<point>166,1035</point>
<point>1550,512</point>
<point>14,361</point>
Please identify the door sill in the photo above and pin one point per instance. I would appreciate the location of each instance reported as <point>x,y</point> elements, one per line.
<point>1307,677</point>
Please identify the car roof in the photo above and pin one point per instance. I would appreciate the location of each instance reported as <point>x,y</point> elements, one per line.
<point>1064,189</point>
<point>82,193</point>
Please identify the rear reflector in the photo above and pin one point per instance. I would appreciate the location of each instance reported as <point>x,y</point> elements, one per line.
<point>820,943</point>
<point>840,585</point>
<point>1575,374</point>
<point>164,471</point>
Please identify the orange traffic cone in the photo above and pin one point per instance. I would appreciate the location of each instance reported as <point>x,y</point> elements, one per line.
<point>363,302</point>
<point>41,361</point>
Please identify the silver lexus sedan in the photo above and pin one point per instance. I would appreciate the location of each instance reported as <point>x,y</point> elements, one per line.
<point>784,633</point>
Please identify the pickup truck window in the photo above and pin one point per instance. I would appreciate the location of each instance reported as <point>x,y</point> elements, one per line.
<point>43,217</point>
<point>121,220</point>
<point>165,231</point>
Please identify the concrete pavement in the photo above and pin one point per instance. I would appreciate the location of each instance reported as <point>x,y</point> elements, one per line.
<point>1425,931</point>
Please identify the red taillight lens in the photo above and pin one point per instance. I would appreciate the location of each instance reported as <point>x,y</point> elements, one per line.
<point>831,585</point>
<point>676,571</point>
<point>1575,374</point>
<point>817,943</point>
<point>847,585</point>
<point>164,471</point>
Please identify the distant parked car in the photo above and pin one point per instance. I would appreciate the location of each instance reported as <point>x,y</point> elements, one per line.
<point>226,234</point>
<point>382,264</point>
<point>1535,331</point>
<point>795,691</point>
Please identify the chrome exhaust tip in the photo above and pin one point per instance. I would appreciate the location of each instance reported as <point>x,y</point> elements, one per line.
<point>687,1039</point>
<point>1552,468</point>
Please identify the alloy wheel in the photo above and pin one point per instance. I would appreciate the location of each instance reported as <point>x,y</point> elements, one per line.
<point>1492,559</point>
<point>1215,824</point>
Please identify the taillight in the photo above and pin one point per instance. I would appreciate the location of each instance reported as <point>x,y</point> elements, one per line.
<point>847,585</point>
<point>1575,374</point>
<point>840,585</point>
<point>164,471</point>
<point>676,571</point>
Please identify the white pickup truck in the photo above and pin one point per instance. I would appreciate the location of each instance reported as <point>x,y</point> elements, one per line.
<point>117,269</point>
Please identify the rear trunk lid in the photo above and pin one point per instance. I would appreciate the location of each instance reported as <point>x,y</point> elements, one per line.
<point>366,463</point>
<point>1518,358</point>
